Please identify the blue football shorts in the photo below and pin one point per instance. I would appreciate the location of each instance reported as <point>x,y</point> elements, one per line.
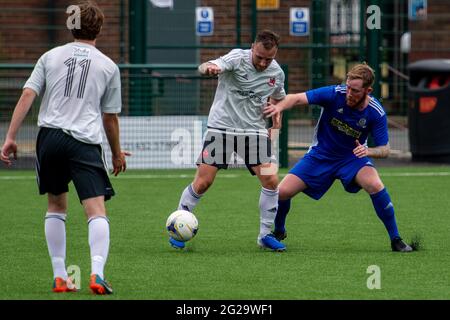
<point>319,171</point>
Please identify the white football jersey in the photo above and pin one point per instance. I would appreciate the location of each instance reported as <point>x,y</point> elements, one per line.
<point>80,84</point>
<point>243,92</point>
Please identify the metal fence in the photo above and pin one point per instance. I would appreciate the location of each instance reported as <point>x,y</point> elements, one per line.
<point>158,100</point>
<point>167,97</point>
<point>162,49</point>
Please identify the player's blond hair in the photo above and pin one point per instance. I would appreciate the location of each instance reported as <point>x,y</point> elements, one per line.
<point>364,72</point>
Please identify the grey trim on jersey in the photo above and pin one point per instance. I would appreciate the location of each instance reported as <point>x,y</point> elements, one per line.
<point>242,93</point>
<point>315,141</point>
<point>80,84</point>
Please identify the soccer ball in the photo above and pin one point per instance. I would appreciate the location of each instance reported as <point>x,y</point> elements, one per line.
<point>182,225</point>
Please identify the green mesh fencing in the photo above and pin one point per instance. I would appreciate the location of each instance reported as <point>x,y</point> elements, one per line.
<point>140,36</point>
<point>161,107</point>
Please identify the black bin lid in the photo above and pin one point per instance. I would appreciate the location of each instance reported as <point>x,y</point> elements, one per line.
<point>430,65</point>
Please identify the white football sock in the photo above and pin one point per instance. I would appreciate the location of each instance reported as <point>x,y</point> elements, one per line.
<point>268,205</point>
<point>55,234</point>
<point>189,199</point>
<point>99,243</point>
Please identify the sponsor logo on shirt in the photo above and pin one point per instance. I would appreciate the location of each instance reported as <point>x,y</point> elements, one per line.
<point>340,110</point>
<point>79,52</point>
<point>345,128</point>
<point>251,94</point>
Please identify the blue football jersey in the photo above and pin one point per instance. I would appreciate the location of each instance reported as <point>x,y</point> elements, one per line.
<point>339,125</point>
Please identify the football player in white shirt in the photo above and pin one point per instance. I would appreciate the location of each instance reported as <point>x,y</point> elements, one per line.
<point>248,79</point>
<point>82,95</point>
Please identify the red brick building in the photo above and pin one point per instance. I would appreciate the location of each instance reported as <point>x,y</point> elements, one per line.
<point>430,38</point>
<point>30,27</point>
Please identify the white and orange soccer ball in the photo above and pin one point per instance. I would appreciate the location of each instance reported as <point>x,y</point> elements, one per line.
<point>182,225</point>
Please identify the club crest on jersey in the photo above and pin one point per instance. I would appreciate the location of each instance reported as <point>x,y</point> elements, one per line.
<point>272,82</point>
<point>362,122</point>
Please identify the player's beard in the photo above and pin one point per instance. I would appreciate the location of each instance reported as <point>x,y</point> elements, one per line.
<point>260,68</point>
<point>358,103</point>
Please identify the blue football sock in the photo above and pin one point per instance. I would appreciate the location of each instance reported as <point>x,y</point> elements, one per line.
<point>280,219</point>
<point>385,211</point>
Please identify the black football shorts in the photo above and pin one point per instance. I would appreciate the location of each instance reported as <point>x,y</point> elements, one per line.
<point>60,158</point>
<point>218,148</point>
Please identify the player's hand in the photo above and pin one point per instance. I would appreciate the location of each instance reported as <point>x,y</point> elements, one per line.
<point>276,126</point>
<point>120,163</point>
<point>360,151</point>
<point>276,121</point>
<point>209,69</point>
<point>213,70</point>
<point>272,110</point>
<point>9,147</point>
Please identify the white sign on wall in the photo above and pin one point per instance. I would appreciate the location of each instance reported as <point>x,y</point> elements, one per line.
<point>160,142</point>
<point>299,22</point>
<point>417,9</point>
<point>204,21</point>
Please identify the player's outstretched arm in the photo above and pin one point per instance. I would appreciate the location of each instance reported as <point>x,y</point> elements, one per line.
<point>379,152</point>
<point>209,68</point>
<point>20,111</point>
<point>277,118</point>
<point>111,125</point>
<point>288,102</point>
<point>375,152</point>
<point>276,121</point>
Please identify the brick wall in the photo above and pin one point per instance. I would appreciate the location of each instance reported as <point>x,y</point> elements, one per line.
<point>29,28</point>
<point>278,21</point>
<point>430,38</point>
<point>18,27</point>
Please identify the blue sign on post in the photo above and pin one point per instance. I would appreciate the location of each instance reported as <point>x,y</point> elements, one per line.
<point>299,22</point>
<point>204,22</point>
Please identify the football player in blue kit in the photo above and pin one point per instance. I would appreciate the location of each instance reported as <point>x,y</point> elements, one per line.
<point>339,149</point>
